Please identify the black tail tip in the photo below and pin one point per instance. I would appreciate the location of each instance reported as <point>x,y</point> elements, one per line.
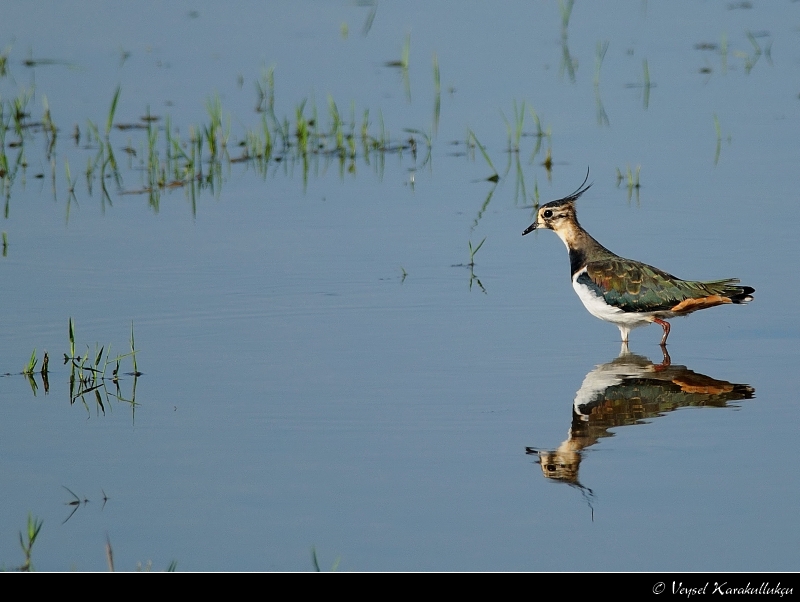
<point>743,295</point>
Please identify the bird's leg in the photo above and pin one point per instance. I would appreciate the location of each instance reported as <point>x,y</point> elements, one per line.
<point>624,331</point>
<point>665,326</point>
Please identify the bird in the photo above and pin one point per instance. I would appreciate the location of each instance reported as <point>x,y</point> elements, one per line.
<point>622,291</point>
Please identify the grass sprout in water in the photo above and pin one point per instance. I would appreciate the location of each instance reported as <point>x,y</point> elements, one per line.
<point>95,375</point>
<point>28,538</point>
<point>472,142</point>
<point>163,160</point>
<point>88,374</point>
<point>631,179</point>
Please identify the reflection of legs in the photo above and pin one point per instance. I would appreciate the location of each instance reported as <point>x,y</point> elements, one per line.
<point>665,326</point>
<point>665,363</point>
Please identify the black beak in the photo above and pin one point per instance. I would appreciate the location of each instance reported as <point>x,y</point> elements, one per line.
<point>529,229</point>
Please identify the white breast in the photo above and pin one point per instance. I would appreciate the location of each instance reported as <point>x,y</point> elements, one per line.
<point>598,307</point>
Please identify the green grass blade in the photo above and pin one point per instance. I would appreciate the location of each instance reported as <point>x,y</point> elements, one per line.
<point>31,363</point>
<point>71,338</point>
<point>480,146</point>
<point>112,110</point>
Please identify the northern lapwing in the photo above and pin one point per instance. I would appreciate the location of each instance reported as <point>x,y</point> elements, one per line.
<point>622,291</point>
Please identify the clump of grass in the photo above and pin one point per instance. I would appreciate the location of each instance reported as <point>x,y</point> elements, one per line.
<point>28,538</point>
<point>215,133</point>
<point>19,112</point>
<point>31,365</point>
<point>265,90</point>
<point>26,541</point>
<point>199,162</point>
<point>88,373</point>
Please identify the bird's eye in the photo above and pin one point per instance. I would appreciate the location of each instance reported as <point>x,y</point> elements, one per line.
<point>548,214</point>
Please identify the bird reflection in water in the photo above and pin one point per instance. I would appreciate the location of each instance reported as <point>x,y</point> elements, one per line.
<point>629,390</point>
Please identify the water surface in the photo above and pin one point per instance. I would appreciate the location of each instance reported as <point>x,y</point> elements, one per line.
<point>321,367</point>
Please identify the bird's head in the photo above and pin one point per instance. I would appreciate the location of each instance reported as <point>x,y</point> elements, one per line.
<point>559,214</point>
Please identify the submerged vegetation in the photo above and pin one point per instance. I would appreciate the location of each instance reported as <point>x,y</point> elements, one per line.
<point>34,527</point>
<point>95,377</point>
<point>201,161</point>
<point>159,158</point>
<point>152,156</point>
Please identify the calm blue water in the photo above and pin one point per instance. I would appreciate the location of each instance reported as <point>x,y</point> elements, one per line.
<point>300,391</point>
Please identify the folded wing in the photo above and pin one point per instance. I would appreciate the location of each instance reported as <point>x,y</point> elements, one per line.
<point>637,287</point>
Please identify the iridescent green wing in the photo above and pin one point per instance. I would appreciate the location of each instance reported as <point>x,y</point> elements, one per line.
<point>637,287</point>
